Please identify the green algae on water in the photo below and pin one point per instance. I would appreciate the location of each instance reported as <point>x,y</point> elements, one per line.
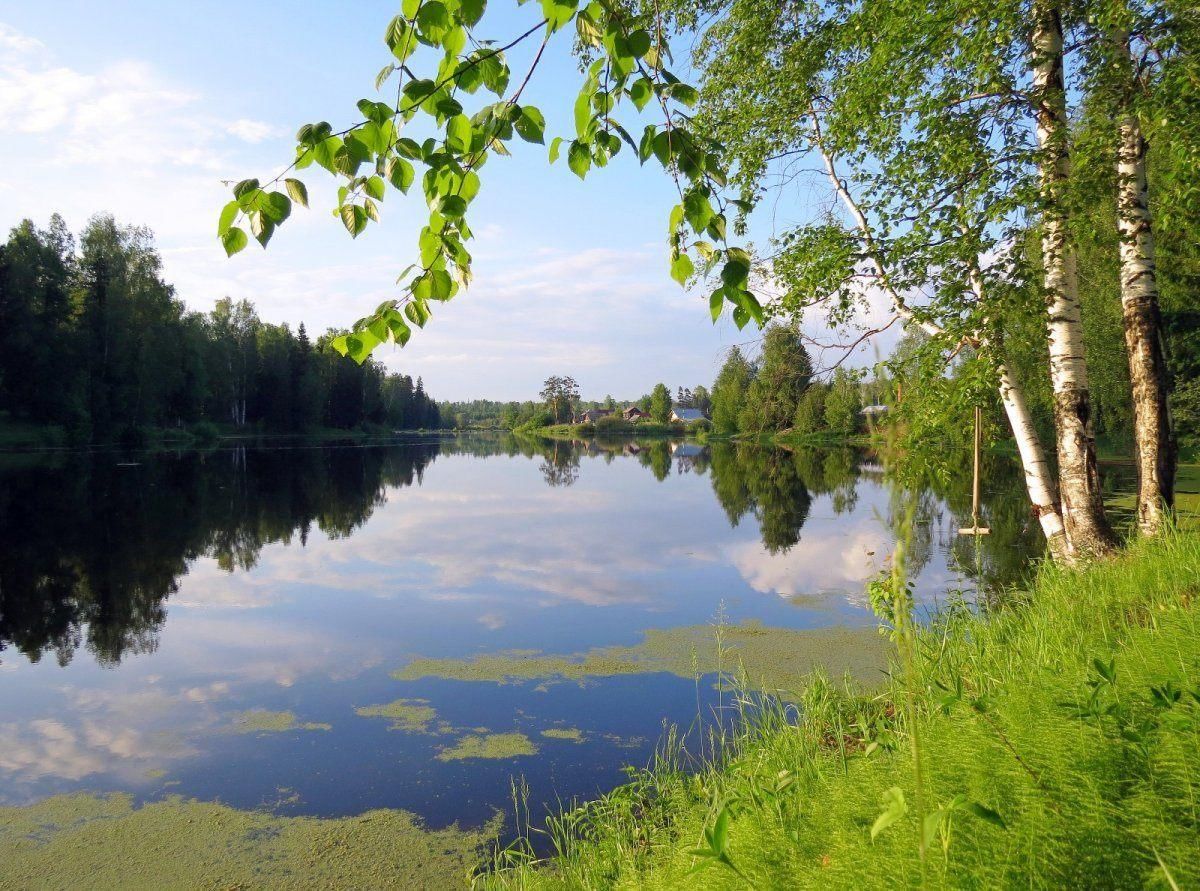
<point>497,746</point>
<point>574,734</point>
<point>408,715</point>
<point>773,659</point>
<point>94,841</point>
<point>259,720</point>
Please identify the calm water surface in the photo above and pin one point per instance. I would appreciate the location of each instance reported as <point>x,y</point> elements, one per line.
<point>146,600</point>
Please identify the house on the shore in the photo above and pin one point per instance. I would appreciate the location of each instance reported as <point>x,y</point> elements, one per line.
<point>591,416</point>
<point>634,413</point>
<point>686,415</point>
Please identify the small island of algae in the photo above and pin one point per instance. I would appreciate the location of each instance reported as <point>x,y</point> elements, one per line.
<point>258,720</point>
<point>496,746</point>
<point>408,715</point>
<point>574,734</point>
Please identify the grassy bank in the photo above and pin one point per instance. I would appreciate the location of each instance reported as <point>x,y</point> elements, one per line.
<point>1058,740</point>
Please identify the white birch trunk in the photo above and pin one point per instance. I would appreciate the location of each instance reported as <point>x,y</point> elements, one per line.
<point>1154,441</point>
<point>1088,532</point>
<point>1039,482</point>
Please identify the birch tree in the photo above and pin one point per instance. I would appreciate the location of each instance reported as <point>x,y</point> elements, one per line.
<point>1145,71</point>
<point>1079,476</point>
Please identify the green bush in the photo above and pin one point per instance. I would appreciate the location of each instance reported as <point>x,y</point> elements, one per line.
<point>612,424</point>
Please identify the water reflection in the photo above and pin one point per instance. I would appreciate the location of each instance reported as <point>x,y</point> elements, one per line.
<point>146,602</point>
<point>94,545</point>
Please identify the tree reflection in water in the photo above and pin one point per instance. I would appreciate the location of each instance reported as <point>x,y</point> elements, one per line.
<point>94,546</point>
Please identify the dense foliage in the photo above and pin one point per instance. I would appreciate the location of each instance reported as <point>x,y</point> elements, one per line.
<point>780,393</point>
<point>94,340</point>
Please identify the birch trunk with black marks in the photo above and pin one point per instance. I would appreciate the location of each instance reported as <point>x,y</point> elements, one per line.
<point>1154,441</point>
<point>1039,481</point>
<point>1087,528</point>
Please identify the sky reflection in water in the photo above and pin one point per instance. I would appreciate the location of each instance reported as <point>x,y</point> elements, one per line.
<point>165,598</point>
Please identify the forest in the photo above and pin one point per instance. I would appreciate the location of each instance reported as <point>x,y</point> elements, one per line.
<point>96,344</point>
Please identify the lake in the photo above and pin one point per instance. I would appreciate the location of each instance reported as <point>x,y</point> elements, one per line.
<point>326,629</point>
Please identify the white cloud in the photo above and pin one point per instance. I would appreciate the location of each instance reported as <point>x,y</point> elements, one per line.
<point>13,42</point>
<point>251,131</point>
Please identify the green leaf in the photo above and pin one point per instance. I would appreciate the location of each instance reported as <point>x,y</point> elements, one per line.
<point>588,30</point>
<point>433,21</point>
<point>384,73</point>
<point>682,268</point>
<point>646,146</point>
<point>228,214</point>
<point>401,40</point>
<point>716,302</point>
<point>639,43</point>
<point>697,211</point>
<point>558,12</point>
<point>471,11</point>
<point>400,173</point>
<point>735,272</point>
<point>234,240</point>
<point>683,93</point>
<point>676,219</point>
<point>555,145</point>
<point>641,91</point>
<point>354,218</point>
<point>455,40</point>
<point>441,285</point>
<point>417,312</point>
<point>452,206</point>
<point>458,133</point>
<point>531,125</point>
<point>579,158</point>
<point>245,187</point>
<point>583,113</point>
<point>261,228</point>
<point>894,808</point>
<point>374,187</point>
<point>277,207</point>
<point>297,190</point>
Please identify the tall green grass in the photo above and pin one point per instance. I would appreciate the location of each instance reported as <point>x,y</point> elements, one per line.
<point>1058,737</point>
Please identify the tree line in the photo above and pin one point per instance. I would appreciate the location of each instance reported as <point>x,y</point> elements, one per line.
<point>95,341</point>
<point>560,401</point>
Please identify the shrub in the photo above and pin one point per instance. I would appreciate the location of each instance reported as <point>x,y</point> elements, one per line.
<point>612,424</point>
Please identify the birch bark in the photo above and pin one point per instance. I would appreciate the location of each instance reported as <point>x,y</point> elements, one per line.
<point>1154,441</point>
<point>1039,481</point>
<point>1087,528</point>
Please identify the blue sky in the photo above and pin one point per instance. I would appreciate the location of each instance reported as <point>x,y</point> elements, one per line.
<point>142,108</point>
